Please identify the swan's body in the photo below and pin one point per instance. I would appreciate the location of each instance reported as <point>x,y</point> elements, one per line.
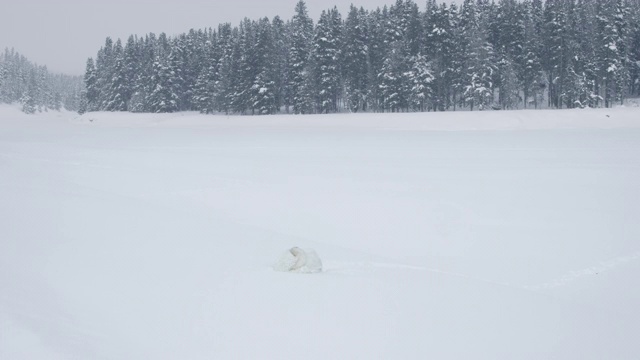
<point>299,260</point>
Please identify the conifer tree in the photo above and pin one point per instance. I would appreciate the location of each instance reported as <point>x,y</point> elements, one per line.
<point>204,88</point>
<point>177,83</point>
<point>118,91</point>
<point>28,99</point>
<point>91,85</point>
<point>223,86</point>
<point>263,90</point>
<point>555,56</point>
<point>440,49</point>
<point>634,51</point>
<point>162,99</point>
<point>532,85</point>
<point>104,73</point>
<point>356,59</point>
<point>280,63</point>
<point>421,79</point>
<point>301,46</point>
<point>377,50</point>
<point>395,82</point>
<point>479,62</point>
<point>243,74</point>
<point>326,53</point>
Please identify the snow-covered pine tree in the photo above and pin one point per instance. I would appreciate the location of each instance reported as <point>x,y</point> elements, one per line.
<point>177,66</point>
<point>355,55</point>
<point>575,89</point>
<point>395,81</point>
<point>574,86</point>
<point>132,65</point>
<point>479,62</point>
<point>263,90</point>
<point>532,68</point>
<point>8,92</point>
<point>301,46</point>
<point>204,88</point>
<point>162,45</point>
<point>104,73</point>
<point>458,58</point>
<point>337,28</point>
<point>421,78</point>
<point>44,97</point>
<point>509,94</point>
<point>139,53</point>
<point>396,23</point>
<point>243,74</point>
<point>556,48</point>
<point>508,37</point>
<point>621,21</point>
<point>307,90</point>
<point>162,98</point>
<point>634,50</point>
<point>280,63</point>
<point>194,45</point>
<point>3,79</point>
<point>28,103</point>
<point>586,65</point>
<point>326,58</point>
<point>263,95</point>
<point>608,53</point>
<point>92,93</point>
<point>464,31</point>
<point>28,99</point>
<point>16,77</point>
<point>118,91</point>
<point>440,48</point>
<point>82,104</point>
<point>403,37</point>
<point>177,83</point>
<point>377,49</point>
<point>223,87</point>
<point>413,33</point>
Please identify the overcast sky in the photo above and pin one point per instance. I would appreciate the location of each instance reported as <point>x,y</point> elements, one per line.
<point>62,34</point>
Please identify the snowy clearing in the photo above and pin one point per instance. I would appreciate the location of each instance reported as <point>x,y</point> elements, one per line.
<point>495,235</point>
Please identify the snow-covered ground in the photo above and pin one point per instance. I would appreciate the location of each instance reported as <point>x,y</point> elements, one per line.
<point>496,235</point>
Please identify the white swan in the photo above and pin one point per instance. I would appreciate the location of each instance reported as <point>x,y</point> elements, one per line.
<point>299,260</point>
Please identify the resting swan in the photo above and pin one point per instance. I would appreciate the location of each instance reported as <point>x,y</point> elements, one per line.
<point>299,260</point>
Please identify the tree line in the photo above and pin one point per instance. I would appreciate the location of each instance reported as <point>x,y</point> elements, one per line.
<point>34,87</point>
<point>505,55</point>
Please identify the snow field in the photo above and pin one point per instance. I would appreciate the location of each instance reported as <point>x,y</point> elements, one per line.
<point>455,235</point>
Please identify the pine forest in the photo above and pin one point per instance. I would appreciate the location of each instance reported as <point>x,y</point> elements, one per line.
<point>34,87</point>
<point>480,55</point>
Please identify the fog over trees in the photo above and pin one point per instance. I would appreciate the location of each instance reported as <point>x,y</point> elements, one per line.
<point>34,87</point>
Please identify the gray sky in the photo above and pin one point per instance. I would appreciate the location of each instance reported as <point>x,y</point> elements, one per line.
<point>62,34</point>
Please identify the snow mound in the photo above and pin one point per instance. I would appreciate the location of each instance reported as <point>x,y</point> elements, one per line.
<point>300,261</point>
